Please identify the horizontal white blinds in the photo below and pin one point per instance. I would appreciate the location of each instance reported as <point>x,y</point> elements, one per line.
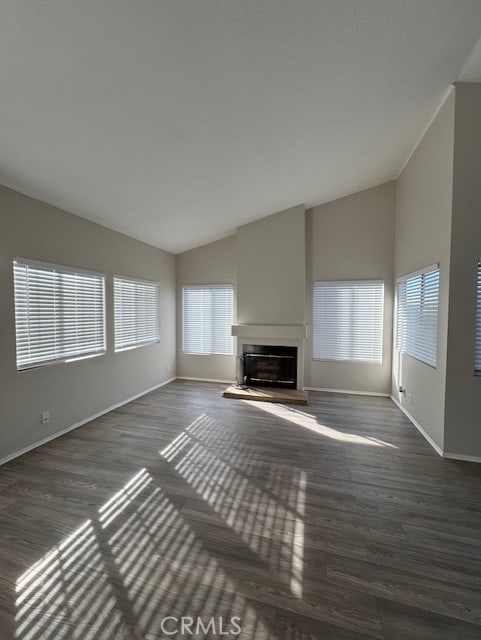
<point>136,310</point>
<point>477,357</point>
<point>348,321</point>
<point>59,313</point>
<point>417,316</point>
<point>207,319</point>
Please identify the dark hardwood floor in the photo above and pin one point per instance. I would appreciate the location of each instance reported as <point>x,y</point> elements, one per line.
<point>334,521</point>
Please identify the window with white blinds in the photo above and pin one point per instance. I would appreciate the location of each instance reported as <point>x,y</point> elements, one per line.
<point>136,313</point>
<point>417,315</point>
<point>348,321</point>
<point>208,313</point>
<point>59,313</point>
<point>477,355</point>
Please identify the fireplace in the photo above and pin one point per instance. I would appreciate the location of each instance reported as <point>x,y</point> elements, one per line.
<point>270,366</point>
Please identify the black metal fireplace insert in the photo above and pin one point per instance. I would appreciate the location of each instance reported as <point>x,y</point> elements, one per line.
<point>270,366</point>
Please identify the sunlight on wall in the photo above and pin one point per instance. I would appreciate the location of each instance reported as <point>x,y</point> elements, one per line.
<point>272,530</point>
<point>308,421</point>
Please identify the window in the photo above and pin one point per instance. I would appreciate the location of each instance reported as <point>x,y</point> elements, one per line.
<point>477,356</point>
<point>59,313</point>
<point>207,319</point>
<point>348,321</point>
<point>136,313</point>
<point>417,315</point>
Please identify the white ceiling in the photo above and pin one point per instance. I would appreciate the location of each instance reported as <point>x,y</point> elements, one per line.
<point>175,121</point>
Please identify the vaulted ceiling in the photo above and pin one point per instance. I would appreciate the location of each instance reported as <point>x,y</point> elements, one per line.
<point>176,121</point>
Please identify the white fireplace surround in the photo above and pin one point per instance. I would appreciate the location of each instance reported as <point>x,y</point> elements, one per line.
<point>287,335</point>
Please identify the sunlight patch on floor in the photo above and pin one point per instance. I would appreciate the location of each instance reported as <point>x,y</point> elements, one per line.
<point>308,421</point>
<point>270,527</point>
<point>132,565</point>
<point>67,593</point>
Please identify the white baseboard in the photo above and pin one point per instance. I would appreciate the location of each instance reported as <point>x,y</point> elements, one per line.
<point>350,392</point>
<point>57,434</point>
<point>436,447</point>
<point>424,433</point>
<point>461,456</point>
<point>205,379</point>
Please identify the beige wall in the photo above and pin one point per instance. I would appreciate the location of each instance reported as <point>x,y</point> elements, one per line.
<point>214,263</point>
<point>353,239</point>
<point>267,261</point>
<point>431,214</point>
<point>463,391</point>
<point>73,392</point>
<point>423,231</point>
<point>271,269</point>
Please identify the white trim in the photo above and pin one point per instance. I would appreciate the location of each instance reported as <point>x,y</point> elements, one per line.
<point>434,444</point>
<point>66,360</point>
<point>350,392</point>
<point>461,456</point>
<point>205,379</point>
<point>57,434</point>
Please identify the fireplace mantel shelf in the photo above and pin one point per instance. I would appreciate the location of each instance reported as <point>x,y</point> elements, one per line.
<point>279,331</point>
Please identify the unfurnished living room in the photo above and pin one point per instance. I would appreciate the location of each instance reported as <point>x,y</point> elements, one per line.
<point>240,319</point>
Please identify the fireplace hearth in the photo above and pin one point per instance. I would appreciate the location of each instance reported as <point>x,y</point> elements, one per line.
<point>270,366</point>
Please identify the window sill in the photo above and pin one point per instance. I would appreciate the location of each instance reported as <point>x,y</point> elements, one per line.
<point>137,346</point>
<point>197,353</point>
<point>42,365</point>
<point>323,361</point>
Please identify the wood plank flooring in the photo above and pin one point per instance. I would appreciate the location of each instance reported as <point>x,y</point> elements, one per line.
<point>268,394</point>
<point>330,522</point>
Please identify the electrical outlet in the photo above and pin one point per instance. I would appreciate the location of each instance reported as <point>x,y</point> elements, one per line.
<point>45,417</point>
<point>410,397</point>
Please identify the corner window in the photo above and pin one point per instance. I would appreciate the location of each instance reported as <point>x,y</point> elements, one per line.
<point>136,313</point>
<point>417,315</point>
